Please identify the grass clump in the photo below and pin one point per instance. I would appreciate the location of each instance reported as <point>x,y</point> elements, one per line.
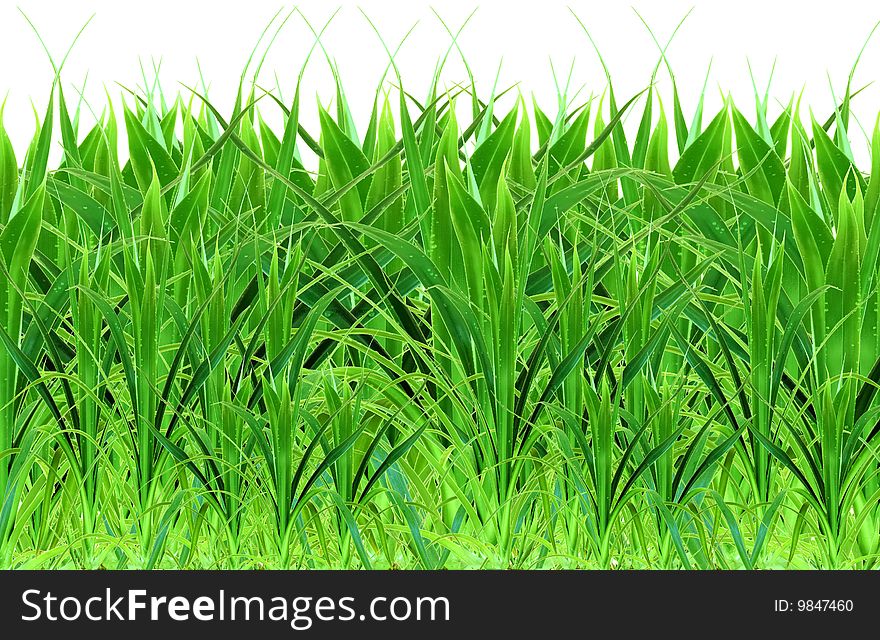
<point>478,335</point>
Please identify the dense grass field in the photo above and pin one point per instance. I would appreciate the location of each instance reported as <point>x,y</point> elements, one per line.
<point>481,333</point>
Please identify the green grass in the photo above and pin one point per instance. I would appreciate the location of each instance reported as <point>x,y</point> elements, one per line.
<point>477,334</point>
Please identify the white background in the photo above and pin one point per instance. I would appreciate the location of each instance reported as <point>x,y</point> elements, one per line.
<point>808,40</point>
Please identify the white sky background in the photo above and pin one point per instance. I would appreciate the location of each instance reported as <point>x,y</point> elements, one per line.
<point>809,41</point>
